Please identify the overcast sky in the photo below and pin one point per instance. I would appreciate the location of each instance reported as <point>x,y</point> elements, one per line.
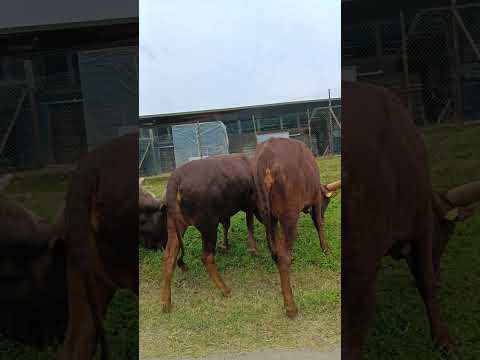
<point>200,55</point>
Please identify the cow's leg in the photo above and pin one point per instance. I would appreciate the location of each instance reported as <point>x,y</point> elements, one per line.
<point>252,245</point>
<point>284,246</point>
<point>223,245</point>
<point>209,240</point>
<point>171,255</point>
<point>423,271</point>
<point>81,336</point>
<point>180,263</point>
<point>358,302</point>
<point>319,222</point>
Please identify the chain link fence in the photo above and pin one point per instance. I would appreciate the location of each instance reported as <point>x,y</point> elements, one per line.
<point>57,105</point>
<point>319,128</point>
<point>12,99</point>
<point>429,57</point>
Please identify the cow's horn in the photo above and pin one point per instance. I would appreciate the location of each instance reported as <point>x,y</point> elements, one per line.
<point>141,181</point>
<point>35,218</point>
<point>465,194</point>
<point>334,185</point>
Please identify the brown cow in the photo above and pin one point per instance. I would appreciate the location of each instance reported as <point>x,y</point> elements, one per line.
<point>287,182</point>
<point>101,241</point>
<point>33,299</point>
<point>203,193</point>
<point>389,208</point>
<point>153,221</point>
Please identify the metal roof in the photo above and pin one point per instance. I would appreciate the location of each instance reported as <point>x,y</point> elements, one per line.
<point>27,15</point>
<point>205,115</point>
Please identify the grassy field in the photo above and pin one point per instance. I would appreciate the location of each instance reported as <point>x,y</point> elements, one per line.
<point>203,322</point>
<point>44,194</point>
<point>400,315</point>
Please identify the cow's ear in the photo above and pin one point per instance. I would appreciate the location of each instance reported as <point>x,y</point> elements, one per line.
<point>449,212</point>
<point>55,241</point>
<point>327,193</point>
<point>331,194</point>
<point>459,214</point>
<point>163,207</point>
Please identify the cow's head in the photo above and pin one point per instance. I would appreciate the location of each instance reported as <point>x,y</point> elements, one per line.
<point>32,274</point>
<point>329,191</point>
<point>451,207</point>
<point>152,220</point>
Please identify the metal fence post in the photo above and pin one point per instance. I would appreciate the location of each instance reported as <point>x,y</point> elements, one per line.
<point>154,155</point>
<point>330,124</point>
<point>199,145</point>
<point>406,80</point>
<point>458,86</point>
<point>309,129</point>
<point>29,75</point>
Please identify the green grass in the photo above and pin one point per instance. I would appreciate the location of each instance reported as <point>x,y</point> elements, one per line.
<point>203,322</point>
<point>400,329</point>
<point>44,195</point>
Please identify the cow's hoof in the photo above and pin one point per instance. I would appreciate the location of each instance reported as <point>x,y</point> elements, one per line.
<point>327,251</point>
<point>223,249</point>
<point>227,292</point>
<point>254,252</point>
<point>444,341</point>
<point>166,307</point>
<point>292,312</point>
<point>182,266</point>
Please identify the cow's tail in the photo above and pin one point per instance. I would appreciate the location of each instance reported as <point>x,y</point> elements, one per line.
<point>173,188</point>
<point>264,190</point>
<point>80,245</point>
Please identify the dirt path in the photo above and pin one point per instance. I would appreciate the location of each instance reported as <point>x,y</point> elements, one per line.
<point>305,354</point>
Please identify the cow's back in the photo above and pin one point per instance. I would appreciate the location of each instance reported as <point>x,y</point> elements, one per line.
<point>294,173</point>
<point>384,170</point>
<point>218,186</point>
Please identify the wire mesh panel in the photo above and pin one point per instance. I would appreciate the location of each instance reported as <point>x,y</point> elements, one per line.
<point>468,21</point>
<point>429,57</point>
<point>156,152</point>
<point>110,92</point>
<point>12,99</point>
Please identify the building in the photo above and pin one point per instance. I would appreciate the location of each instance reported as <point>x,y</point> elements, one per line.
<point>426,51</point>
<point>68,81</point>
<point>308,121</point>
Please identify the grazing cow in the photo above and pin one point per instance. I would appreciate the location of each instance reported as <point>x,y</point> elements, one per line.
<point>33,299</point>
<point>389,208</point>
<point>287,182</point>
<point>204,193</point>
<point>153,222</point>
<point>101,241</point>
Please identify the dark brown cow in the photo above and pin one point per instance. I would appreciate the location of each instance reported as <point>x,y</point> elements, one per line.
<point>204,193</point>
<point>389,208</point>
<point>101,241</point>
<point>153,222</point>
<point>152,219</point>
<point>287,182</point>
<point>33,303</point>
